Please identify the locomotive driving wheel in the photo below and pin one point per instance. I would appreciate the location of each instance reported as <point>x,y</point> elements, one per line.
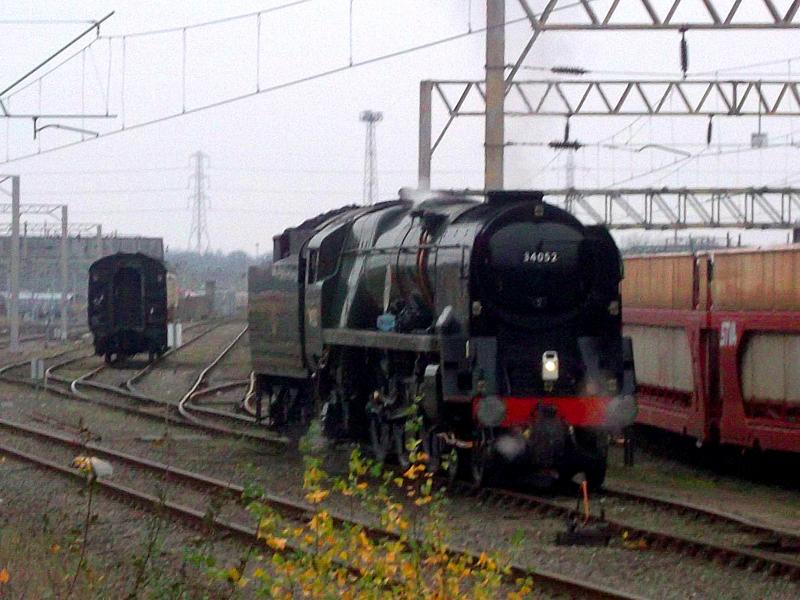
<point>482,458</point>
<point>432,446</point>
<point>380,437</point>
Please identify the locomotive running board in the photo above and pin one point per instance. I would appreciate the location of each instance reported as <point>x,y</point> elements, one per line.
<point>410,342</point>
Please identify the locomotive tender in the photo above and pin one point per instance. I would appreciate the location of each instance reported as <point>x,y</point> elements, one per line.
<point>128,305</point>
<point>499,314</point>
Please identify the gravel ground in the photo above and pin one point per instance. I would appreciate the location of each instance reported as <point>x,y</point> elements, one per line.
<point>654,574</point>
<point>176,373</point>
<point>676,522</point>
<point>768,504</point>
<point>41,534</point>
<point>235,365</point>
<point>650,573</point>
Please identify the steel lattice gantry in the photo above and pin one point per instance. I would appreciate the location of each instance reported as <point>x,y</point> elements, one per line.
<point>568,15</point>
<point>588,15</point>
<point>625,97</point>
<point>638,15</point>
<point>47,229</point>
<point>683,208</point>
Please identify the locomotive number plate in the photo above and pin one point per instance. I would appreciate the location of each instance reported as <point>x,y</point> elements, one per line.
<point>540,257</point>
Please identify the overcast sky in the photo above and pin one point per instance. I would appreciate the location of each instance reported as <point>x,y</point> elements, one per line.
<point>285,155</point>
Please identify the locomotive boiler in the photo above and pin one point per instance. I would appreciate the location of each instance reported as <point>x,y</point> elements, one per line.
<point>129,299</point>
<point>496,315</point>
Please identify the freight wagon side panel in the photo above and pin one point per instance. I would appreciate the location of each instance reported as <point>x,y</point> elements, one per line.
<point>663,357</point>
<point>674,351</point>
<point>659,281</point>
<point>771,374</point>
<point>760,386</point>
<point>274,316</point>
<point>757,279</point>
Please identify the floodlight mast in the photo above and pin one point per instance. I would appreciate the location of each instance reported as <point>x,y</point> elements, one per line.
<point>370,190</point>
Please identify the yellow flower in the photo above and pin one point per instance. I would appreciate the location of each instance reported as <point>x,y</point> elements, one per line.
<point>484,560</point>
<point>423,501</point>
<point>54,549</point>
<point>362,485</point>
<point>263,526</point>
<point>233,574</point>
<point>411,473</point>
<point>259,573</point>
<point>317,496</point>
<point>4,576</point>
<point>82,463</point>
<point>276,543</point>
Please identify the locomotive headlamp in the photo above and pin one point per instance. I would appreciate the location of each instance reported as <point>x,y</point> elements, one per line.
<point>550,365</point>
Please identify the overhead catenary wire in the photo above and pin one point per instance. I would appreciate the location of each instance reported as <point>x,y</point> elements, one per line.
<point>95,27</point>
<point>264,90</point>
<point>219,21</point>
<point>47,22</point>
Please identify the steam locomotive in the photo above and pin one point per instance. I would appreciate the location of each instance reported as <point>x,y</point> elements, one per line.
<point>496,316</point>
<point>129,300</point>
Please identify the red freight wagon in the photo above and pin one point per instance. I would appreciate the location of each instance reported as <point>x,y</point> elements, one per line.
<point>717,344</point>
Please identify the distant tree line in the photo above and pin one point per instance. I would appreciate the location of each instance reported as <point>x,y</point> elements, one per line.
<point>193,269</point>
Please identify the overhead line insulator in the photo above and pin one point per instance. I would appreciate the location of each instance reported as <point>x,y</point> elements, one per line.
<point>569,70</point>
<point>684,53</point>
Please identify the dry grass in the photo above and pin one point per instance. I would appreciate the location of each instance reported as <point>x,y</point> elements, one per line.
<point>41,565</point>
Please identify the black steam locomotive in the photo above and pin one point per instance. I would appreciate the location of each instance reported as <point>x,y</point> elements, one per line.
<point>498,314</point>
<point>127,305</point>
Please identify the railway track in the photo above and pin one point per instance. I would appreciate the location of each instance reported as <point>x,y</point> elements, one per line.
<point>741,542</point>
<point>130,401</point>
<point>789,539</point>
<point>687,529</point>
<point>186,405</point>
<point>199,486</point>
